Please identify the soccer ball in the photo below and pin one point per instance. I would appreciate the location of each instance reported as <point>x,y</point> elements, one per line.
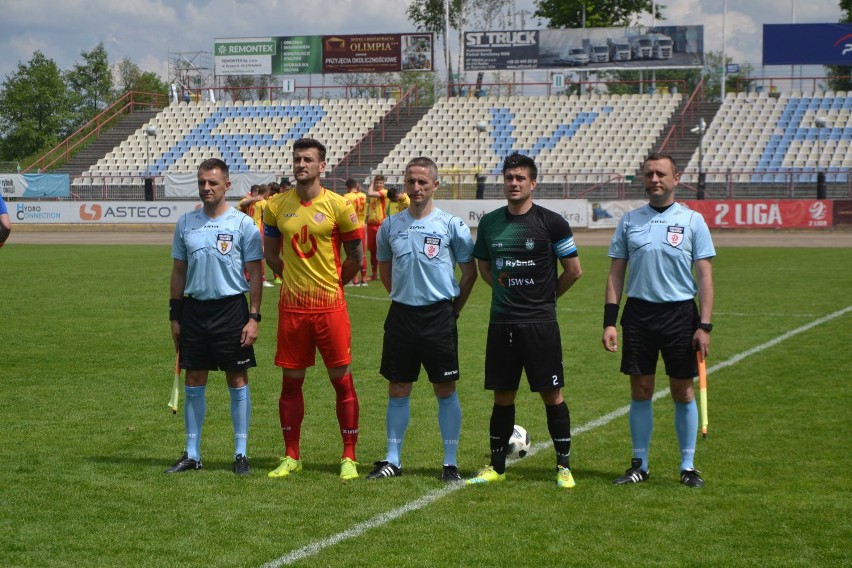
<point>519,443</point>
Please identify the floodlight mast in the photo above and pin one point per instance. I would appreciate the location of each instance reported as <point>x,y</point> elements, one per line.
<point>481,127</point>
<point>150,132</point>
<point>820,123</point>
<point>700,128</point>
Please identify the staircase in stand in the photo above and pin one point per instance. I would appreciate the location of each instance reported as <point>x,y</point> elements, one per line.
<point>107,142</point>
<point>681,146</point>
<point>371,151</point>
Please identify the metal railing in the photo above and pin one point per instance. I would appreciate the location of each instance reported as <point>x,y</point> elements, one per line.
<point>128,103</point>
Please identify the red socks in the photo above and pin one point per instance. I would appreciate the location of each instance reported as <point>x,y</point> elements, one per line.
<point>347,413</point>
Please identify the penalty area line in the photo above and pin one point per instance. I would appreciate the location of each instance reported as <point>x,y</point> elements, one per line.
<point>429,498</point>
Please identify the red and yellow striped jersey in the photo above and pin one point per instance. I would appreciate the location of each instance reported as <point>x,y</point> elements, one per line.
<point>376,210</point>
<point>311,235</point>
<point>359,202</point>
<point>255,211</point>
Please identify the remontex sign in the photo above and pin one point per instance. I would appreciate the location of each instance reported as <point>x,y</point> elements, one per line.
<point>246,48</point>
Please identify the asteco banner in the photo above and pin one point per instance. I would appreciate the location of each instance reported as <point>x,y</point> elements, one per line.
<point>661,47</point>
<point>807,44</point>
<point>292,55</point>
<point>99,212</point>
<point>765,214</point>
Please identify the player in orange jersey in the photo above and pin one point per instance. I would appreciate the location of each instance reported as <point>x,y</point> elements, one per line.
<point>253,205</point>
<point>311,222</point>
<point>376,212</point>
<point>359,201</point>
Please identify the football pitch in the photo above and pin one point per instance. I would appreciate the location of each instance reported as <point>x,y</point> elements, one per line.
<point>87,368</point>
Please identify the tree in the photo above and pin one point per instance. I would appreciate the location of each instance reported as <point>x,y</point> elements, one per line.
<point>840,76</point>
<point>92,81</point>
<point>431,16</point>
<point>35,110</point>
<point>125,75</point>
<point>598,13</point>
<point>129,77</point>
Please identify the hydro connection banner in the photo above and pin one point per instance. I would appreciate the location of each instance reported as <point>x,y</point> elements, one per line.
<point>807,44</point>
<point>660,47</point>
<point>293,55</point>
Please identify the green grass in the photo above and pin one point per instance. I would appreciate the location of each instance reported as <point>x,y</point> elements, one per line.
<point>87,368</point>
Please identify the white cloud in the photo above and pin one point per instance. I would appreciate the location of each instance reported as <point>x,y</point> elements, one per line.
<point>146,31</point>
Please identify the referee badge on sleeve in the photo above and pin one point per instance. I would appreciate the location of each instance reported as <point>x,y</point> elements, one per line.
<point>674,235</point>
<point>431,246</point>
<point>224,243</point>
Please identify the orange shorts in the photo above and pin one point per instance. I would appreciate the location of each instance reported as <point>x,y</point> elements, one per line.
<point>300,335</point>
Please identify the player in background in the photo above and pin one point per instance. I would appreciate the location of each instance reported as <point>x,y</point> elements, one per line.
<point>5,222</point>
<point>213,326</point>
<point>660,243</point>
<point>356,197</point>
<point>518,250</point>
<point>418,250</point>
<point>311,222</point>
<point>398,201</point>
<point>253,205</point>
<point>275,189</point>
<point>376,213</point>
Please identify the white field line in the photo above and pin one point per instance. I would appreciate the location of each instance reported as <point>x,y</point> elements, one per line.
<point>388,516</point>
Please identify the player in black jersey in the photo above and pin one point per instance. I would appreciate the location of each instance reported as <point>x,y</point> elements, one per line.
<point>519,249</point>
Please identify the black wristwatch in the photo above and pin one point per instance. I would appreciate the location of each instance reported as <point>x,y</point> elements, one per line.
<point>708,327</point>
<point>255,317</point>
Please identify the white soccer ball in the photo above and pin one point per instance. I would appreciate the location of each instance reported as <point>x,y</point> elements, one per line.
<point>519,443</point>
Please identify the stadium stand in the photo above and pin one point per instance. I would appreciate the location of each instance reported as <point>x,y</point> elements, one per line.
<point>756,144</point>
<point>255,136</point>
<point>586,136</point>
<point>759,138</point>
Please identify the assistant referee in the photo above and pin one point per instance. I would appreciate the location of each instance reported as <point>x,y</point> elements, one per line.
<point>213,325</point>
<point>661,242</point>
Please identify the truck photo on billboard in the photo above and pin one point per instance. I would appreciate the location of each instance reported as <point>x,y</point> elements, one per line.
<point>660,47</point>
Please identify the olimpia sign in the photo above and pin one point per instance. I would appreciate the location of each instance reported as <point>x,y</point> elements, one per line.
<point>366,53</point>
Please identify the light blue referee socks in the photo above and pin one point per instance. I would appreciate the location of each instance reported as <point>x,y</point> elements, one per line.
<point>398,415</point>
<point>449,420</point>
<point>641,425</point>
<point>240,416</point>
<point>194,410</point>
<point>686,426</point>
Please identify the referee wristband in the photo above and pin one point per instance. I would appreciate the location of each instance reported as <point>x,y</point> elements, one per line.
<point>175,309</point>
<point>610,315</point>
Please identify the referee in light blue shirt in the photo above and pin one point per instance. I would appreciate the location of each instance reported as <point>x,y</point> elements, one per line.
<point>214,327</point>
<point>417,251</point>
<point>660,243</point>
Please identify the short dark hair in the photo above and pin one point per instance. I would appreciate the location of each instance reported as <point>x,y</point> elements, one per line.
<point>656,156</point>
<point>378,177</point>
<point>516,160</point>
<point>392,193</point>
<point>305,143</point>
<point>424,162</point>
<point>350,183</point>
<point>273,188</point>
<point>213,164</point>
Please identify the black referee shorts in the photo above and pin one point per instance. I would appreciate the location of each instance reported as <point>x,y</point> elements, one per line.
<point>532,347</point>
<point>210,332</point>
<point>649,329</point>
<point>416,335</point>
